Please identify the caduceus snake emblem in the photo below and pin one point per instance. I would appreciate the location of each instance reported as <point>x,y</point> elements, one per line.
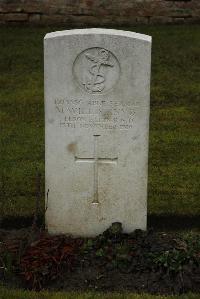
<point>97,78</point>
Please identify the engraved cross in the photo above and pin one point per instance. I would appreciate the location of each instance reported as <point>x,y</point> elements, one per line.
<point>96,161</point>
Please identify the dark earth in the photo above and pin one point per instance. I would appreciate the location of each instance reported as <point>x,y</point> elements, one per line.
<point>143,261</point>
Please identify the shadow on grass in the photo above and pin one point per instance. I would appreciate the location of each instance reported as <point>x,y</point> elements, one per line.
<point>157,222</point>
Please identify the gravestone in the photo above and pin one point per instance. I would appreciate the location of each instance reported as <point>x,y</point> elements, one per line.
<point>97,90</point>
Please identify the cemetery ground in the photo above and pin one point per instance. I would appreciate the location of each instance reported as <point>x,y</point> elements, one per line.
<point>157,262</point>
<point>13,294</point>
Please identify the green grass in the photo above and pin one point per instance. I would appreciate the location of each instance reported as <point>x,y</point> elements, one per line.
<point>19,294</point>
<point>174,170</point>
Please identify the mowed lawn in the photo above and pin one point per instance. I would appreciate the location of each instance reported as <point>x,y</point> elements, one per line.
<point>174,168</point>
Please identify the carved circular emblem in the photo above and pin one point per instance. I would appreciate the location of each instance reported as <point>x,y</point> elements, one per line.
<point>96,70</point>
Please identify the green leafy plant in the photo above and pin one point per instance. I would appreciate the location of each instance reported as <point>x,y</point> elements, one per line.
<point>7,264</point>
<point>174,260</point>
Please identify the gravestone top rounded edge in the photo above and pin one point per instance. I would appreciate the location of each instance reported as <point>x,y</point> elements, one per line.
<point>102,31</point>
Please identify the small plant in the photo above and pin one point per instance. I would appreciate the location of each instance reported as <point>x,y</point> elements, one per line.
<point>100,252</point>
<point>45,259</point>
<point>184,252</point>
<point>7,264</point>
<point>87,245</point>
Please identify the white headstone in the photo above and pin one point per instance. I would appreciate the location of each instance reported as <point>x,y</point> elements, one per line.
<point>97,90</point>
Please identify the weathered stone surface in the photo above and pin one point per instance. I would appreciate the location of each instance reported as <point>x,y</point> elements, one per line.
<point>94,12</point>
<point>192,20</point>
<point>34,18</point>
<point>97,85</point>
<point>161,20</point>
<point>178,20</point>
<point>142,20</point>
<point>54,19</point>
<point>16,17</point>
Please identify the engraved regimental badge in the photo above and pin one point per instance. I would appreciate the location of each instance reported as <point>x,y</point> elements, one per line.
<point>96,70</point>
